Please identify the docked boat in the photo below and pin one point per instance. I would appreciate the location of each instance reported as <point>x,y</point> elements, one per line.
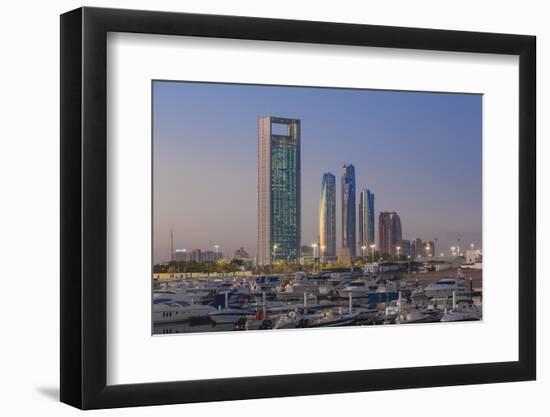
<point>295,319</point>
<point>419,316</point>
<point>229,315</point>
<point>358,289</point>
<point>333,318</point>
<point>444,288</point>
<point>179,311</point>
<point>329,317</point>
<point>463,313</point>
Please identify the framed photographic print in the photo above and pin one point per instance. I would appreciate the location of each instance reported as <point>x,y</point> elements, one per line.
<point>256,207</point>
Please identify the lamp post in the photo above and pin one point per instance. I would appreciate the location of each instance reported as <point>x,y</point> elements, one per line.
<point>363,248</point>
<point>409,259</point>
<point>398,249</point>
<point>273,253</point>
<point>372,246</point>
<point>453,250</point>
<point>217,249</point>
<point>314,246</point>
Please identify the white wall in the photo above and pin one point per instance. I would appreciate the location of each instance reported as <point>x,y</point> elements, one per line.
<point>29,175</point>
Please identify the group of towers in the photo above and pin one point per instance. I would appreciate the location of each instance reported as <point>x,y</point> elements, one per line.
<point>279,203</point>
<point>327,217</point>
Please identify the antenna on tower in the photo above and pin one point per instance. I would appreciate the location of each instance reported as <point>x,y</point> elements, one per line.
<point>171,246</point>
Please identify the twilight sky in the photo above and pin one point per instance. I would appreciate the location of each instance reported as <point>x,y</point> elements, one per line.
<point>420,153</point>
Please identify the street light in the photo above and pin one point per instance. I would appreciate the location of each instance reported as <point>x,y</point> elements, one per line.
<point>398,248</point>
<point>372,246</point>
<point>409,259</point>
<point>273,253</point>
<point>217,248</point>
<point>363,250</point>
<point>314,246</point>
<point>453,250</point>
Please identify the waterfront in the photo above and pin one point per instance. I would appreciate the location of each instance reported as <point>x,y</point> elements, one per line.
<point>312,300</point>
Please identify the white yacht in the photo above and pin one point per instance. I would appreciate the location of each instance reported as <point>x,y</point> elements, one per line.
<point>179,311</point>
<point>419,316</point>
<point>445,287</point>
<point>295,319</point>
<point>330,317</point>
<point>358,288</point>
<point>335,317</point>
<point>463,313</point>
<point>229,315</point>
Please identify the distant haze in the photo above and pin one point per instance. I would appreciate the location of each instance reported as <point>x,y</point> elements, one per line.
<point>420,153</point>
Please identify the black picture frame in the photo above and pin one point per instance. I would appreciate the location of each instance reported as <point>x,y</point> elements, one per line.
<point>84,207</point>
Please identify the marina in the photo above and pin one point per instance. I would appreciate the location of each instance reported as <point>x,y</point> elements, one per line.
<point>302,300</point>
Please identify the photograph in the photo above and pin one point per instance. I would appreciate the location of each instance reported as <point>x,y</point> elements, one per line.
<point>296,207</point>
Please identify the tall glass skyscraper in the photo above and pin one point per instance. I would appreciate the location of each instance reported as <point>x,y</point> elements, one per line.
<point>348,210</point>
<point>327,217</point>
<point>366,218</point>
<point>389,232</point>
<point>279,182</point>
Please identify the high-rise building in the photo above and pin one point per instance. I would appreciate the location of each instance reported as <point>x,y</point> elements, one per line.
<point>327,217</point>
<point>211,256</point>
<point>417,248</point>
<point>181,255</point>
<point>366,218</point>
<point>389,232</point>
<point>195,255</point>
<point>428,248</point>
<point>405,247</point>
<point>348,209</point>
<point>279,183</point>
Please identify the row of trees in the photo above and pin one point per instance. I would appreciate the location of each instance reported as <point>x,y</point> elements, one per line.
<point>222,266</point>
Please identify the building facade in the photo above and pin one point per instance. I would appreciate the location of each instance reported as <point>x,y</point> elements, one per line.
<point>366,218</point>
<point>417,248</point>
<point>327,218</point>
<point>389,232</point>
<point>405,247</point>
<point>428,248</point>
<point>348,210</point>
<point>279,190</point>
<point>211,256</point>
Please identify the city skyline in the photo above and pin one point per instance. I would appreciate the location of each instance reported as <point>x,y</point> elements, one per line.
<point>185,146</point>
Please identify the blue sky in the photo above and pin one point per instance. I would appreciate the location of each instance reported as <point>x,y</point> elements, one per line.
<point>420,153</point>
